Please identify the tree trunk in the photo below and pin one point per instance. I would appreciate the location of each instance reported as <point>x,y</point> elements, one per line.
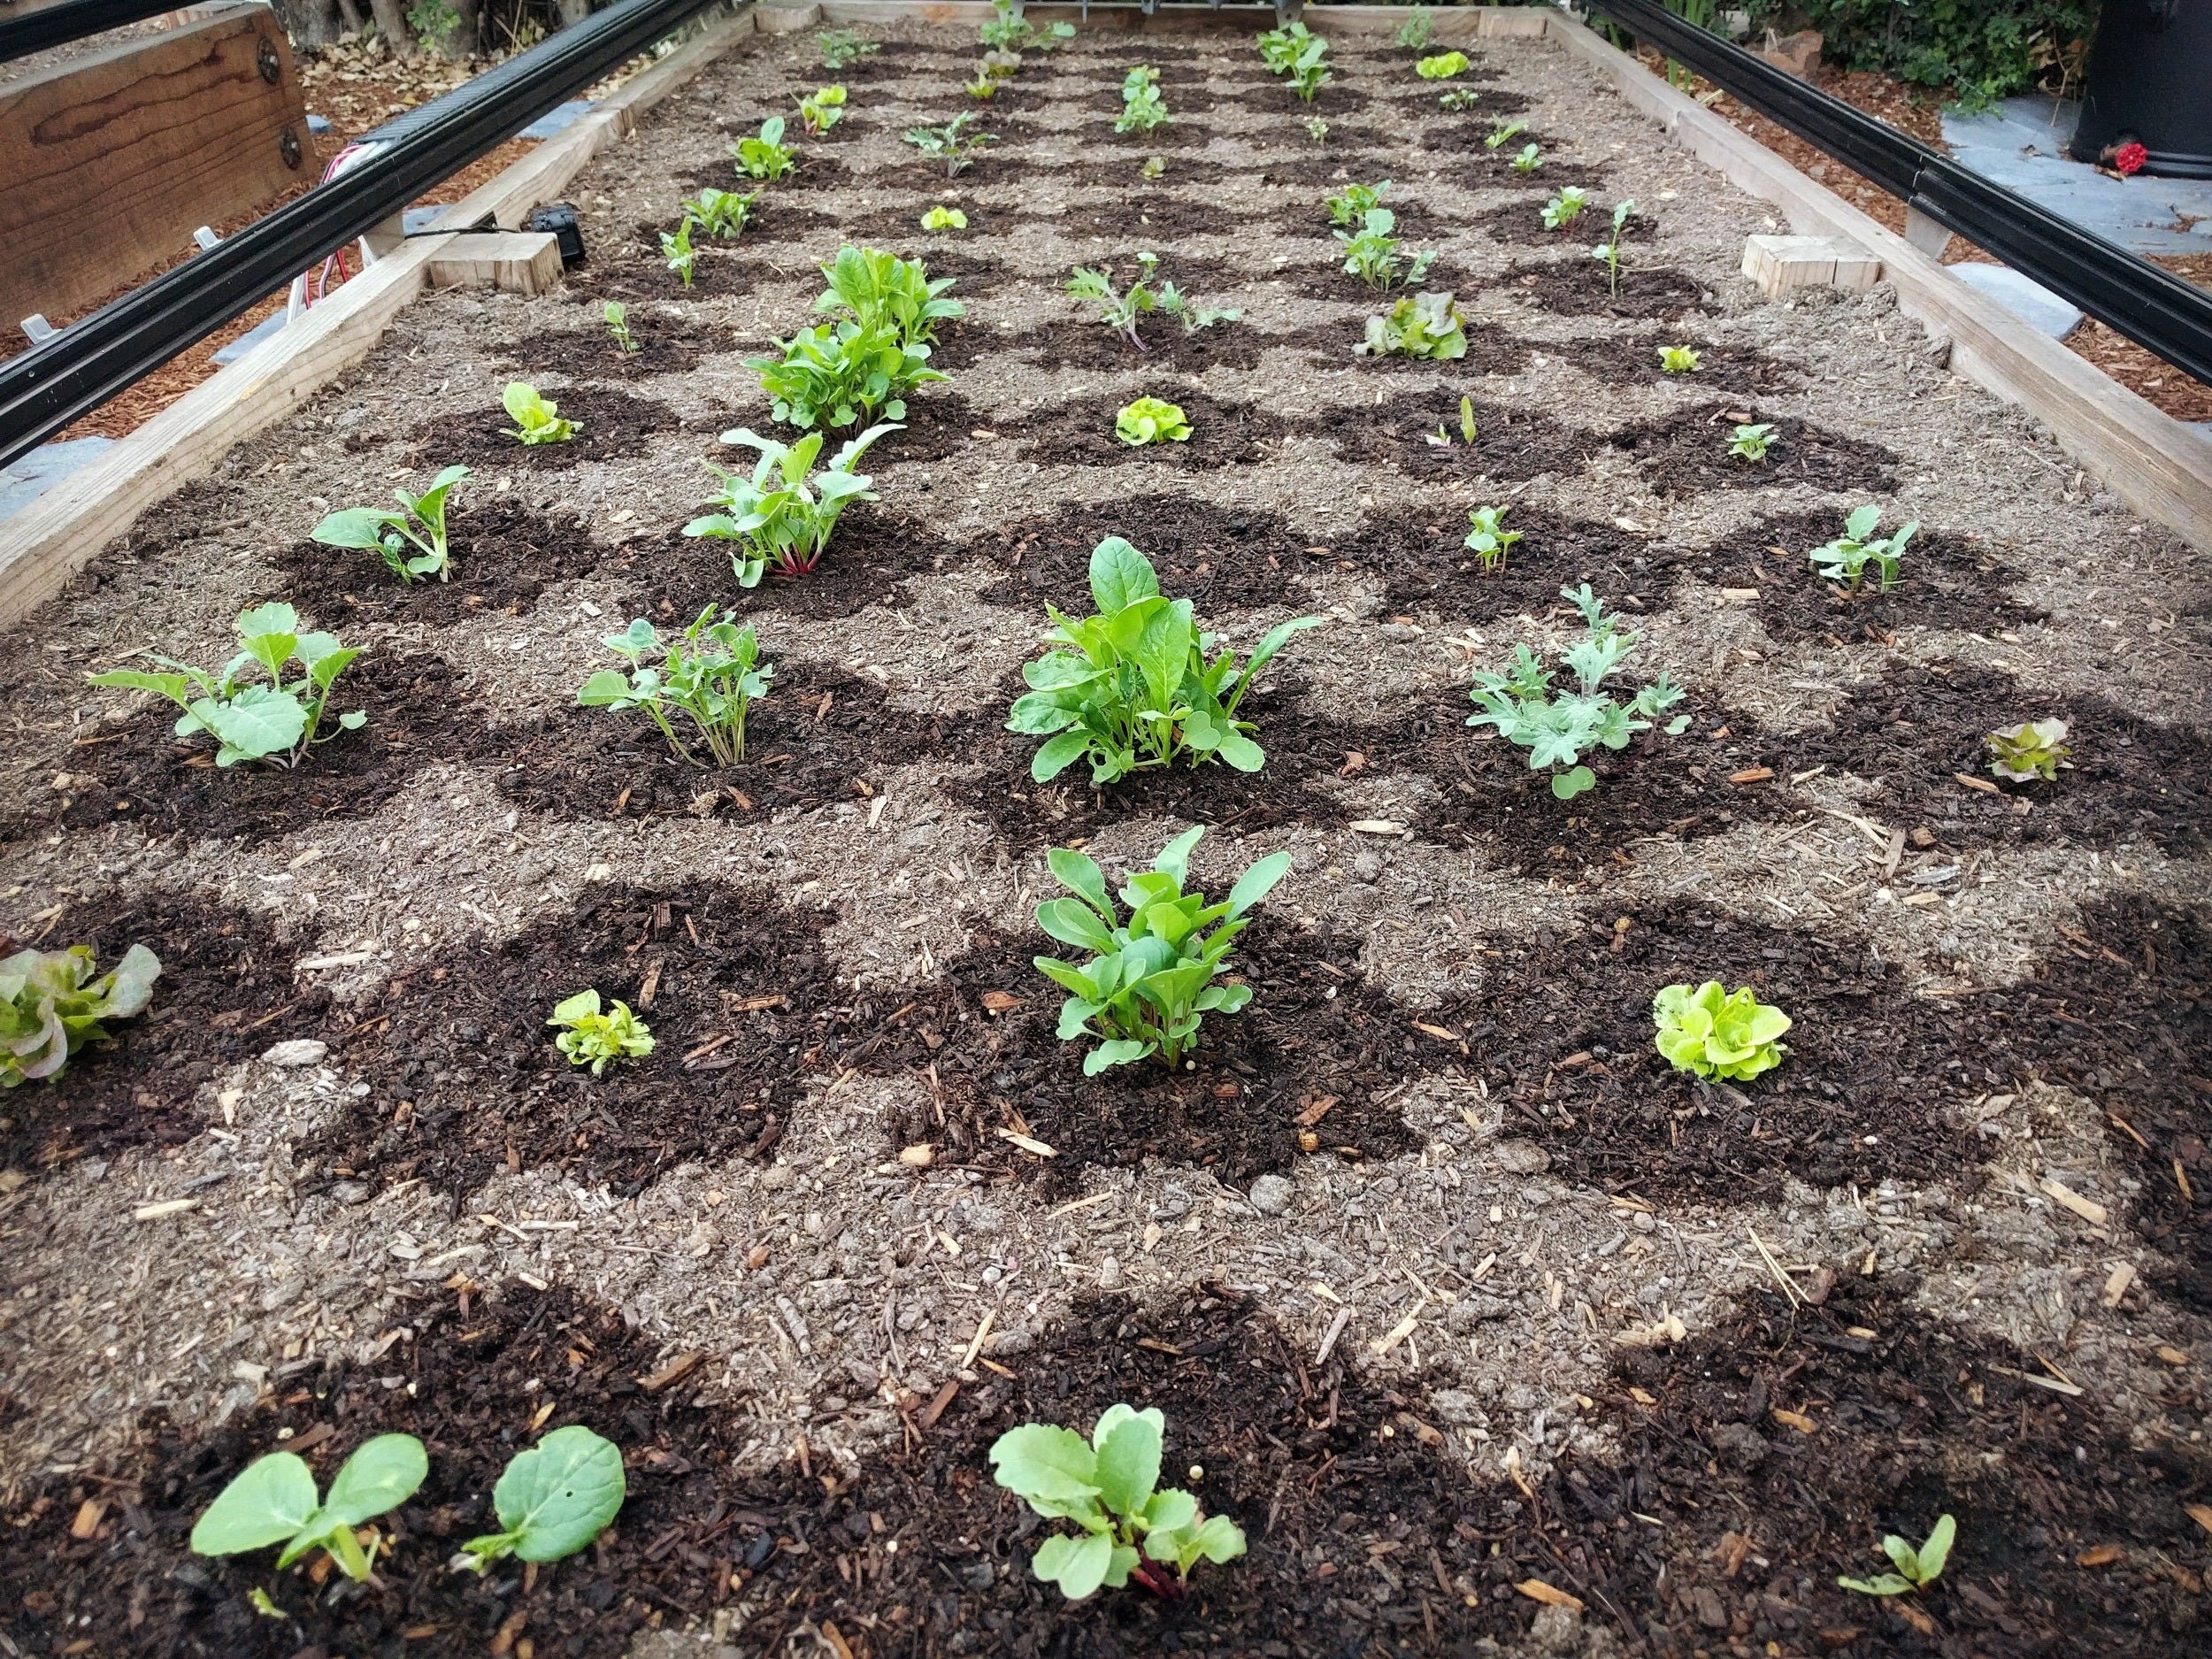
<point>351,13</point>
<point>391,24</point>
<point>310,22</point>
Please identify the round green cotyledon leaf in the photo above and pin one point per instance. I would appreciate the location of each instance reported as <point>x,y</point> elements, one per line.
<point>560,1495</point>
<point>383,1474</point>
<point>271,1500</point>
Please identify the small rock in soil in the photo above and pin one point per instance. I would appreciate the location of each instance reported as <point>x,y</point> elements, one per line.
<point>1271,1194</point>
<point>296,1051</point>
<point>1522,1157</point>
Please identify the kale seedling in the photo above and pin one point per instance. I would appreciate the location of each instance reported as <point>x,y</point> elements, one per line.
<point>273,1500</point>
<point>1716,1033</point>
<point>882,291</point>
<point>1845,558</point>
<point>537,419</point>
<point>1677,359</point>
<point>596,1040</point>
<point>1142,108</point>
<point>251,720</point>
<point>1559,730</point>
<point>1916,1569</point>
<point>1503,132</point>
<point>709,676</point>
<point>1107,1488</point>
<point>1425,326</point>
<point>1608,251</point>
<point>765,156</point>
<point>720,213</point>
<point>842,47</point>
<point>1310,72</point>
<point>953,143</point>
<point>676,247</point>
<point>1489,540</point>
<point>1458,99</point>
<point>823,110</point>
<point>617,320</point>
<point>553,1500</point>
<point>1442,66</point>
<point>2032,749</point>
<point>1751,443</point>
<point>1120,311</point>
<point>941,219</point>
<point>1413,33</point>
<point>51,1005</point>
<point>1351,205</point>
<point>781,517</point>
<point>1280,47</point>
<point>1531,157</point>
<point>390,534</point>
<point>1151,420</point>
<point>837,374</point>
<point>1370,254</point>
<point>1137,690</point>
<point>1566,207</point>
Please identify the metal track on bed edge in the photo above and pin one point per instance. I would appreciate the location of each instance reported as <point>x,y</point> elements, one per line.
<point>71,21</point>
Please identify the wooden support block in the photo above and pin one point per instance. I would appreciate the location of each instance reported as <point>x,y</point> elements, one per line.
<point>521,261</point>
<point>114,158</point>
<point>786,18</point>
<point>1778,264</point>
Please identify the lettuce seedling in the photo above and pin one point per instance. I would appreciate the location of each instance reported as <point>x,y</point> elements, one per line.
<point>390,534</point>
<point>1137,689</point>
<point>273,1500</point>
<point>1151,420</point>
<point>1751,443</point>
<point>1677,359</point>
<point>1916,1569</point>
<point>953,143</point>
<point>1715,1033</point>
<point>838,374</point>
<point>537,419</point>
<point>882,291</point>
<point>1608,251</point>
<point>944,219</point>
<point>596,1040</point>
<point>1489,540</point>
<point>1155,166</point>
<point>1413,33</point>
<point>2032,749</point>
<point>1148,983</point>
<point>1531,157</point>
<point>1108,1488</point>
<point>1845,558</point>
<point>1564,208</point>
<point>1350,206</point>
<point>1120,311</point>
<point>1371,253</point>
<point>554,1499</point>
<point>676,247</point>
<point>1280,47</point>
<point>1459,99</point>
<point>1503,132</point>
<point>1425,326</point>
<point>1443,66</point>
<point>710,677</point>
<point>842,47</point>
<point>251,720</point>
<point>985,85</point>
<point>617,320</point>
<point>781,517</point>
<point>720,213</point>
<point>822,110</point>
<point>1142,108</point>
<point>1310,72</point>
<point>765,156</point>
<point>51,1005</point>
<point>1558,731</point>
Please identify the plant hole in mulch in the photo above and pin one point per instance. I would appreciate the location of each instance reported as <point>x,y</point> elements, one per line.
<point>501,553</point>
<point>1277,97</point>
<point>1521,224</point>
<point>1099,135</point>
<point>901,227</point>
<point>1512,445</point>
<point>937,423</point>
<point>719,271</point>
<point>1325,165</point>
<point>610,425</point>
<point>1081,433</point>
<point>1154,215</point>
<point>1091,345</point>
<point>1416,220</point>
<point>1218,557</point>
<point>1576,285</point>
<point>1688,452</point>
<point>1127,175</point>
<point>1729,368</point>
<point>1327,278</point>
<point>666,345</point>
<point>1490,351</point>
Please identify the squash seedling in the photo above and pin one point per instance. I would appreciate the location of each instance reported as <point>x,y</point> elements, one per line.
<point>2032,749</point>
<point>51,1004</point>
<point>1566,207</point>
<point>782,517</point>
<point>954,143</point>
<point>1717,1034</point>
<point>419,523</point>
<point>273,1500</point>
<point>253,719</point>
<point>618,320</point>
<point>537,419</point>
<point>822,109</point>
<point>1503,132</point>
<point>1752,443</point>
<point>553,1500</point>
<point>597,1040</point>
<point>1677,359</point>
<point>1844,560</point>
<point>1142,108</point>
<point>1531,157</point>
<point>1151,420</point>
<point>1608,251</point>
<point>1349,207</point>
<point>765,156</point>
<point>709,676</point>
<point>722,214</point>
<point>1371,253</point>
<point>1442,66</point>
<point>1488,539</point>
<point>1424,325</point>
<point>842,47</point>
<point>1916,1569</point>
<point>1109,1488</point>
<point>1120,311</point>
<point>944,219</point>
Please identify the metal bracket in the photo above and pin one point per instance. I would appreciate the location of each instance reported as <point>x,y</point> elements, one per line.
<point>271,66</point>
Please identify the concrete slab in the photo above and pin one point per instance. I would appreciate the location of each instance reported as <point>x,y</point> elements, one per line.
<point>2021,144</point>
<point>24,480</point>
<point>2031,302</point>
<point>251,338</point>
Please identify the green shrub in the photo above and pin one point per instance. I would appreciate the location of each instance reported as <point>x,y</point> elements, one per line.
<point>1985,49</point>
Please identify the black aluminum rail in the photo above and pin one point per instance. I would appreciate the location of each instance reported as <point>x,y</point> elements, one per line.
<point>71,20</point>
<point>2147,302</point>
<point>43,389</point>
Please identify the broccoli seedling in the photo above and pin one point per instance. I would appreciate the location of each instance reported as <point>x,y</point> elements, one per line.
<point>1371,253</point>
<point>1442,66</point>
<point>1845,558</point>
<point>1317,130</point>
<point>1489,540</point>
<point>1142,108</point>
<point>1120,311</point>
<point>1916,1569</point>
<point>1531,157</point>
<point>1503,132</point>
<point>953,143</point>
<point>273,1500</point>
<point>1280,47</point>
<point>1425,325</point>
<point>1716,1033</point>
<point>1558,730</point>
<point>2032,749</point>
<point>618,320</point>
<point>1564,208</point>
<point>1413,33</point>
<point>941,219</point>
<point>1151,420</point>
<point>1752,443</point>
<point>842,47</point>
<point>677,249</point>
<point>1350,206</point>
<point>596,1040</point>
<point>1677,359</point>
<point>765,156</point>
<point>1608,251</point>
<point>710,677</point>
<point>419,524</point>
<point>822,110</point>
<point>1147,985</point>
<point>1459,99</point>
<point>720,213</point>
<point>553,1500</point>
<point>537,419</point>
<point>1108,1488</point>
<point>51,1005</point>
<point>781,517</point>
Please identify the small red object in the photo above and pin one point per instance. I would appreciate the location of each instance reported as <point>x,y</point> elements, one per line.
<point>2128,159</point>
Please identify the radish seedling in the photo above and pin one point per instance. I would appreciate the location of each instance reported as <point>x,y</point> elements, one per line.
<point>617,320</point>
<point>1425,326</point>
<point>1442,66</point>
<point>1916,1569</point>
<point>1120,311</point>
<point>720,213</point>
<point>1151,420</point>
<point>554,1499</point>
<point>709,676</point>
<point>1608,251</point>
<point>1489,540</point>
<point>273,1500</point>
<point>822,110</point>
<point>842,47</point>
<point>838,374</point>
<point>1845,558</point>
<point>1280,47</point>
<point>1142,108</point>
<point>1371,253</point>
<point>882,291</point>
<point>537,419</point>
<point>1752,443</point>
<point>596,1040</point>
<point>2032,749</point>
<point>1351,205</point>
<point>940,218</point>
<point>1564,208</point>
<point>953,143</point>
<point>782,517</point>
<point>765,156</point>
<point>1677,359</point>
<point>51,1005</point>
<point>1716,1033</point>
<point>390,534</point>
<point>676,247</point>
<point>1310,72</point>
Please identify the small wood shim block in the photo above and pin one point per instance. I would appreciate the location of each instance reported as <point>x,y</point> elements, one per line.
<point>1777,264</point>
<point>521,261</point>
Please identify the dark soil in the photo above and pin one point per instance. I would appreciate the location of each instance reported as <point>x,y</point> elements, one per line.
<point>609,424</point>
<point>1091,345</point>
<point>1176,135</point>
<point>501,555</point>
<point>901,227</point>
<point>1274,96</point>
<point>715,273</point>
<point>1510,444</point>
<point>1687,453</point>
<point>1220,558</point>
<point>1521,224</point>
<point>1160,217</point>
<point>1414,219</point>
<point>1425,101</point>
<point>226,992</point>
<point>937,423</point>
<point>1125,173</point>
<point>1427,569</point>
<point>1447,134</point>
<point>1576,285</point>
<point>1326,165</point>
<point>973,274</point>
<point>665,346</point>
<point>1081,434</point>
<point>1729,368</point>
<point>1490,351</point>
<point>870,556</point>
<point>1328,279</point>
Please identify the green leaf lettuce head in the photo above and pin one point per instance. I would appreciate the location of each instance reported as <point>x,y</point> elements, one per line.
<point>1424,325</point>
<point>944,219</point>
<point>537,420</point>
<point>51,1005</point>
<point>597,1040</point>
<point>273,1500</point>
<point>553,1500</point>
<point>1151,420</point>
<point>1443,66</point>
<point>2032,749</point>
<point>1719,1035</point>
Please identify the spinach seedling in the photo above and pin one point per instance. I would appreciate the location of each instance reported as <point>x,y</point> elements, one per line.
<point>597,1040</point>
<point>881,291</point>
<point>709,676</point>
<point>1109,1488</point>
<point>1425,326</point>
<point>1458,99</point>
<point>1916,1569</point>
<point>420,523</point>
<point>1350,206</point>
<point>1566,207</point>
<point>676,247</point>
<point>1120,311</point>
<point>250,720</point>
<point>618,320</point>
<point>1413,33</point>
<point>51,1005</point>
<point>953,143</point>
<point>782,517</point>
<point>537,419</point>
<point>1142,108</point>
<point>1845,558</point>
<point>765,156</point>
<point>1559,730</point>
<point>1148,983</point>
<point>1678,359</point>
<point>1488,539</point>
<point>720,213</point>
<point>1752,443</point>
<point>1137,689</point>
<point>1442,66</point>
<point>822,110</point>
<point>1502,133</point>
<point>1280,47</point>
<point>1371,253</point>
<point>273,1500</point>
<point>1716,1033</point>
<point>553,1500</point>
<point>842,47</point>
<point>2032,749</point>
<point>1317,130</point>
<point>838,374</point>
<point>1531,157</point>
<point>942,218</point>
<point>1608,251</point>
<point>1151,420</point>
<point>1310,72</point>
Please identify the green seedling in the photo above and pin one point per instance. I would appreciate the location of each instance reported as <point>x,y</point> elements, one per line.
<point>781,517</point>
<point>1317,130</point>
<point>954,143</point>
<point>51,1005</point>
<point>1459,99</point>
<point>682,258</point>
<point>1752,443</point>
<point>1121,311</point>
<point>1006,30</point>
<point>1678,359</point>
<point>1530,159</point>
<point>843,47</point>
<point>709,676</point>
<point>943,218</point>
<point>722,214</point>
<point>1424,325</point>
<point>553,1500</point>
<point>838,374</point>
<point>1558,730</point>
<point>1468,430</point>
<point>417,523</point>
<point>1155,166</point>
<point>1310,72</point>
<point>1916,1569</point>
<point>1566,207</point>
<point>1413,33</point>
<point>1371,253</point>
<point>1845,559</point>
<point>822,110</point>
<point>1142,108</point>
<point>1000,66</point>
<point>765,156</point>
<point>985,85</point>
<point>1280,47</point>
<point>597,1040</point>
<point>1716,1033</point>
<point>537,419</point>
<point>1608,251</point>
<point>1147,985</point>
<point>1151,420</point>
<point>1502,133</point>
<point>250,720</point>
<point>1442,66</point>
<point>881,291</point>
<point>1349,207</point>
<point>1488,539</point>
<point>2032,749</point>
<point>273,1500</point>
<point>618,320</point>
<point>1109,1488</point>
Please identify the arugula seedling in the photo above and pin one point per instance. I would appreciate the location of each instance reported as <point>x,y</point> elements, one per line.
<point>765,156</point>
<point>944,219</point>
<point>251,720</point>
<point>51,1005</point>
<point>1489,540</point>
<point>1425,326</point>
<point>822,110</point>
<point>2032,749</point>
<point>709,676</point>
<point>677,249</point>
<point>882,291</point>
<point>1280,47</point>
<point>1564,208</point>
<point>1317,130</point>
<point>1110,1488</point>
<point>1503,132</point>
<point>1137,689</point>
<point>1351,205</point>
<point>1370,254</point>
<point>1677,359</point>
<point>1153,168</point>
<point>1120,311</point>
<point>1142,108</point>
<point>617,320</point>
<point>1916,1569</point>
<point>1752,443</point>
<point>1151,420</point>
<point>1413,33</point>
<point>838,374</point>
<point>553,1500</point>
<point>952,143</point>
<point>1718,1033</point>
<point>596,1040</point>
<point>1532,156</point>
<point>537,419</point>
<point>1558,731</point>
<point>782,517</point>
<point>842,47</point>
<point>390,534</point>
<point>1608,251</point>
<point>1845,558</point>
<point>1459,98</point>
<point>721,213</point>
<point>1310,72</point>
<point>273,1500</point>
<point>1443,66</point>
